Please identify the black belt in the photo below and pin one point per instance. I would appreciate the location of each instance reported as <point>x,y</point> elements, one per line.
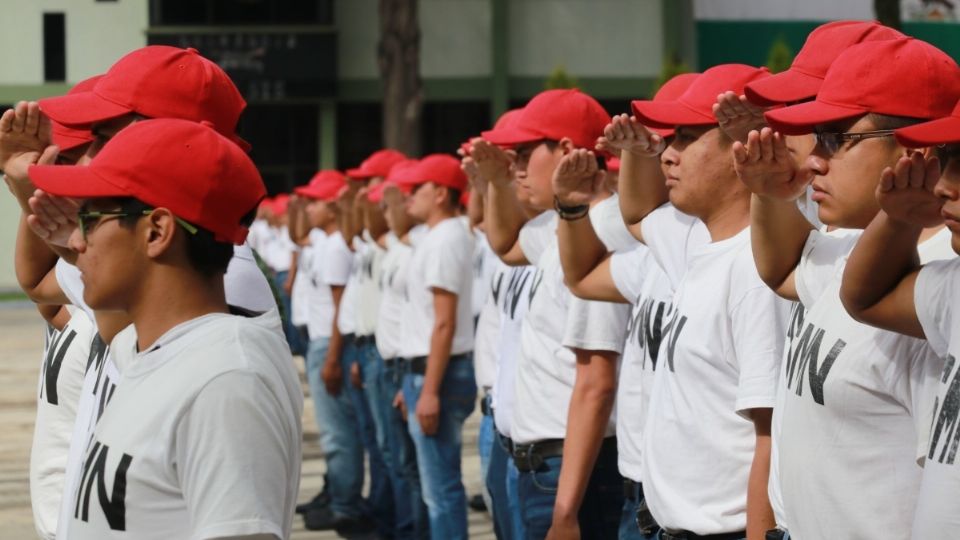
<point>418,364</point>
<point>390,361</point>
<point>631,489</point>
<point>505,442</point>
<point>485,405</point>
<point>775,534</point>
<point>363,341</point>
<point>687,535</point>
<point>529,457</point>
<point>348,339</point>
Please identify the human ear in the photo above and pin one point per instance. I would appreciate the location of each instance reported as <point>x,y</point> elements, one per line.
<point>160,230</point>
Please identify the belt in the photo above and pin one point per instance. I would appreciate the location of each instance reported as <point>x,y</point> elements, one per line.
<point>363,341</point>
<point>687,535</point>
<point>632,491</point>
<point>529,457</point>
<point>505,442</point>
<point>389,362</point>
<point>348,339</point>
<point>418,365</point>
<point>776,534</point>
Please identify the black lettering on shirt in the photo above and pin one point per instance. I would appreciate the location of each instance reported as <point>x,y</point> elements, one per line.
<point>945,435</point>
<point>52,364</point>
<point>94,470</point>
<point>672,331</point>
<point>803,357</point>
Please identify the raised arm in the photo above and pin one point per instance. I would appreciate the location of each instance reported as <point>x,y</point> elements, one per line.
<point>578,181</point>
<point>641,185</point>
<point>503,216</point>
<point>881,273</point>
<point>778,229</point>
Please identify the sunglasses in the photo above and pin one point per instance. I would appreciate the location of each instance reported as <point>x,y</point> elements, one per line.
<point>89,219</point>
<point>831,142</point>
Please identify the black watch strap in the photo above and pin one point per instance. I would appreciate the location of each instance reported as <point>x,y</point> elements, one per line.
<point>570,213</point>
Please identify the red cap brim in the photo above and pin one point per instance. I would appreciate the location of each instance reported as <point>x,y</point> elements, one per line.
<point>669,114</point>
<point>800,119</point>
<point>359,174</point>
<point>511,136</point>
<point>69,141</point>
<point>789,86</point>
<point>939,131</point>
<point>81,110</point>
<point>74,181</point>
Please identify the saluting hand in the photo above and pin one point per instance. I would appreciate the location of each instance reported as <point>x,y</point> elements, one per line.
<point>737,116</point>
<point>578,180</point>
<point>906,191</point>
<point>765,165</point>
<point>494,164</point>
<point>625,134</point>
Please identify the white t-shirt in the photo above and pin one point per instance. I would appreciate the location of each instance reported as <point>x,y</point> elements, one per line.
<point>245,287</point>
<point>61,379</point>
<point>607,222</point>
<point>393,291</point>
<point>673,237</point>
<point>370,256</point>
<point>511,290</point>
<point>203,440</point>
<point>856,411</point>
<point>300,293</point>
<point>259,234</point>
<point>442,259</point>
<point>276,248</point>
<point>547,369</point>
<point>329,267</point>
<point>347,316</point>
<point>719,358</point>
<point>935,298</point>
<point>639,279</point>
<point>485,344</point>
<point>484,262</point>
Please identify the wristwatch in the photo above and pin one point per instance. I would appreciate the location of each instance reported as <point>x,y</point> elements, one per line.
<point>570,213</point>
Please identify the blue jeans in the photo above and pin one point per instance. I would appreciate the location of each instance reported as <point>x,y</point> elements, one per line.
<point>366,404</point>
<point>628,520</point>
<point>294,338</point>
<point>501,481</point>
<point>411,521</point>
<point>600,511</point>
<point>485,444</point>
<point>339,439</point>
<point>438,455</point>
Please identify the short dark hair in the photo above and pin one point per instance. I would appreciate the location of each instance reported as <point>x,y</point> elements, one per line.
<point>206,254</point>
<point>453,197</point>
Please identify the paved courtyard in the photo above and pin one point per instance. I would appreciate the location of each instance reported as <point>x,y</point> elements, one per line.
<point>21,343</point>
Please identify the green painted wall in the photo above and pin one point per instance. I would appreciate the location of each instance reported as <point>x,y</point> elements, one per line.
<point>749,42</point>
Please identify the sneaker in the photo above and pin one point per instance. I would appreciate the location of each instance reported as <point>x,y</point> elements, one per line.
<point>477,503</point>
<point>321,500</point>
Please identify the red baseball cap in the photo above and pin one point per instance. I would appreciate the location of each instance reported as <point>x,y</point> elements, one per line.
<point>939,131</point>
<point>377,164</point>
<point>325,186</point>
<point>156,81</point>
<point>670,91</point>
<point>554,115</point>
<point>69,138</point>
<point>280,204</point>
<point>183,166</point>
<point>694,107</point>
<point>822,47</point>
<point>613,164</point>
<point>404,175</point>
<point>900,77</point>
<point>441,169</point>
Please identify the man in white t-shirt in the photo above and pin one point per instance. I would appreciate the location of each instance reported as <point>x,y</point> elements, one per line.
<point>439,387</point>
<point>714,387</point>
<point>858,397</point>
<point>410,512</point>
<point>161,258</point>
<point>887,284</point>
<point>336,416</point>
<point>566,375</point>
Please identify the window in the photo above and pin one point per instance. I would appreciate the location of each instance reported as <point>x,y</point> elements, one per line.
<point>54,47</point>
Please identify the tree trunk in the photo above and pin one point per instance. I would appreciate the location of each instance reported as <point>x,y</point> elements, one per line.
<point>888,12</point>
<point>398,57</point>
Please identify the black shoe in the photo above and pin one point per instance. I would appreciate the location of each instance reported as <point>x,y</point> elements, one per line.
<point>324,519</point>
<point>477,503</point>
<point>356,528</point>
<point>319,519</point>
<point>321,500</point>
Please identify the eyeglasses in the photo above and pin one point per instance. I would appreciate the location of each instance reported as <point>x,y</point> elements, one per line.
<point>88,220</point>
<point>831,142</point>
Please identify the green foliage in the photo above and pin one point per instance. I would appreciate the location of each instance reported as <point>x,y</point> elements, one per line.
<point>672,66</point>
<point>780,56</point>
<point>559,78</point>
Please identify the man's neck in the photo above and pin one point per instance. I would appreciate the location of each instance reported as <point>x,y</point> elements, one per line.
<point>437,216</point>
<point>331,227</point>
<point>175,296</point>
<point>728,219</point>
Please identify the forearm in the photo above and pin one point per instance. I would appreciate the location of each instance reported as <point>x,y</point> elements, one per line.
<point>591,404</point>
<point>441,344</point>
<point>580,249</point>
<point>778,232</point>
<point>883,256</point>
<point>503,217</point>
<point>760,517</point>
<point>33,259</point>
<point>641,186</point>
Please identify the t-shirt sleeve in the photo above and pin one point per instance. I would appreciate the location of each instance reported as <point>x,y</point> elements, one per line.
<point>824,254</point>
<point>596,326</point>
<point>449,265</point>
<point>68,277</point>
<point>336,263</point>
<point>934,297</point>
<point>629,269</point>
<point>535,236</point>
<point>672,237</point>
<point>607,222</point>
<point>232,459</point>
<point>758,319</point>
